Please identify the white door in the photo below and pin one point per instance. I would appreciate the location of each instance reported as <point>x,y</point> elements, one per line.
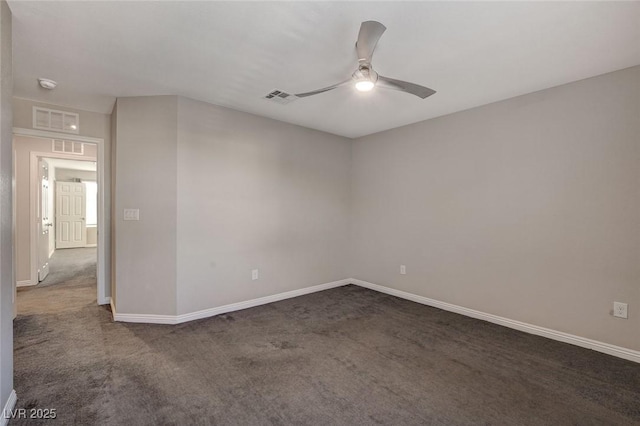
<point>43,219</point>
<point>71,228</point>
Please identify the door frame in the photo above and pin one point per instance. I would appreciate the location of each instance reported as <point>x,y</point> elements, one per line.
<point>101,264</point>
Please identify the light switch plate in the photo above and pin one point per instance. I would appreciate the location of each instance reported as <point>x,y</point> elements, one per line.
<point>131,214</point>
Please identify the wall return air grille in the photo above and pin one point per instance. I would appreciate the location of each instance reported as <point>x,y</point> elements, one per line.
<point>68,147</point>
<point>58,121</point>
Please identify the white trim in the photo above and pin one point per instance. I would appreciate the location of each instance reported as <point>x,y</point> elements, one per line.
<point>21,131</point>
<point>25,283</point>
<point>560,336</point>
<point>145,318</point>
<point>14,251</point>
<point>6,411</point>
<point>101,266</point>
<point>89,246</point>
<point>205,313</point>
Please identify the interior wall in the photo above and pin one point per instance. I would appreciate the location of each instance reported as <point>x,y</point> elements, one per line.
<point>146,170</point>
<point>6,209</point>
<point>220,193</point>
<point>527,208</point>
<point>23,146</point>
<point>255,193</point>
<point>92,236</point>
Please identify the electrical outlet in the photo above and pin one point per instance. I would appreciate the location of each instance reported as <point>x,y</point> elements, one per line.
<point>254,274</point>
<point>620,310</point>
<point>403,270</point>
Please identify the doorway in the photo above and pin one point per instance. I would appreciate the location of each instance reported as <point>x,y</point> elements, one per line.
<point>66,214</point>
<point>61,232</point>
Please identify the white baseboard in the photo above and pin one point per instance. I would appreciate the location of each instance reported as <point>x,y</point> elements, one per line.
<point>617,351</point>
<point>104,300</point>
<point>91,245</point>
<point>6,411</point>
<point>560,336</point>
<point>24,283</point>
<point>205,313</point>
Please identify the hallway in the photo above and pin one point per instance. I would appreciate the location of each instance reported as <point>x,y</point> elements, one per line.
<point>69,268</point>
<point>56,336</point>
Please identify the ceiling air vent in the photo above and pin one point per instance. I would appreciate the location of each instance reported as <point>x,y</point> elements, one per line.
<point>280,97</point>
<point>68,147</point>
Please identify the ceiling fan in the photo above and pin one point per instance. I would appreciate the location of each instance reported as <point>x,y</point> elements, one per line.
<point>365,78</point>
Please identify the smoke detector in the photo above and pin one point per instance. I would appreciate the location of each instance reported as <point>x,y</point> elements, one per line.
<point>47,83</point>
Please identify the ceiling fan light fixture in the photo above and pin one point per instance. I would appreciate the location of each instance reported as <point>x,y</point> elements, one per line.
<point>365,78</point>
<point>364,85</point>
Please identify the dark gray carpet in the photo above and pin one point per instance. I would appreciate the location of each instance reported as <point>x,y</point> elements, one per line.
<point>347,356</point>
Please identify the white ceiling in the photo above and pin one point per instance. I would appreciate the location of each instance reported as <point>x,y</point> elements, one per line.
<point>233,53</point>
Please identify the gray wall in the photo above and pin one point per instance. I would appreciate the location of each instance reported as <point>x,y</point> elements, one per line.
<point>220,193</point>
<point>6,213</point>
<point>23,146</point>
<point>146,170</point>
<point>527,208</point>
<point>255,193</point>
